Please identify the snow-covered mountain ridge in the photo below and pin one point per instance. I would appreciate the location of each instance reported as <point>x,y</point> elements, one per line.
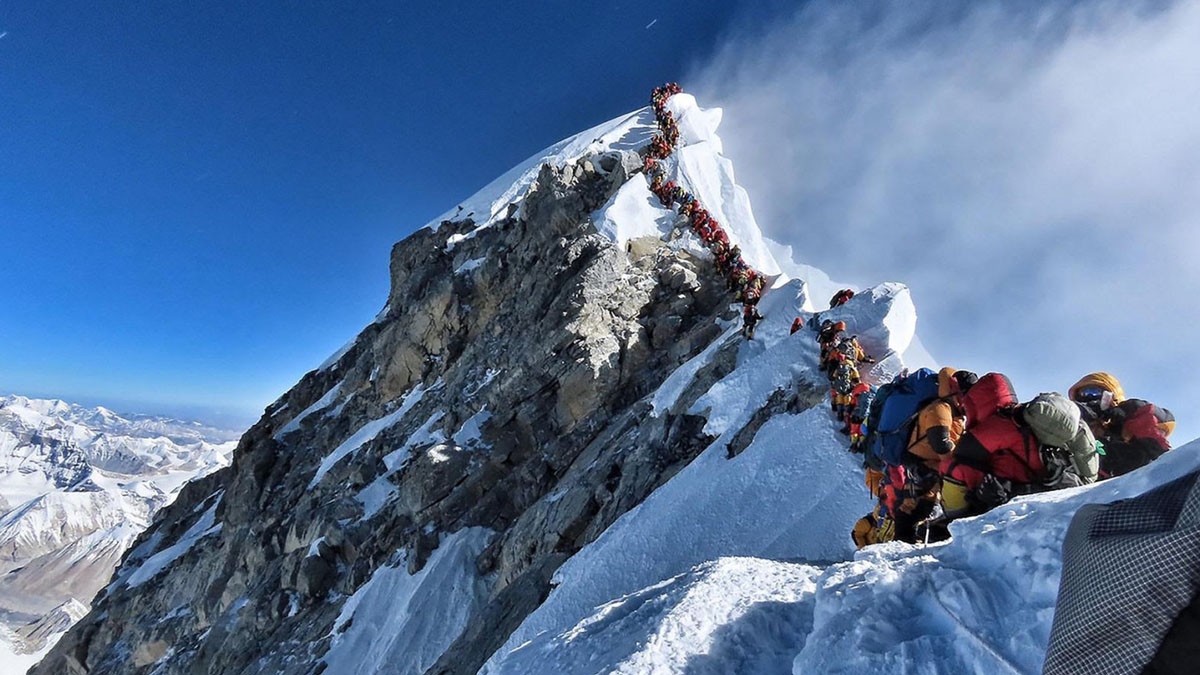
<point>77,485</point>
<point>553,452</point>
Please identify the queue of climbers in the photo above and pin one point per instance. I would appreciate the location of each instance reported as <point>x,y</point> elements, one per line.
<point>746,283</point>
<point>949,444</point>
<point>946,445</point>
<point>936,445</point>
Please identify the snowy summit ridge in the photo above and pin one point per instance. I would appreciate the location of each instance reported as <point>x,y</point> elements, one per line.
<point>553,452</point>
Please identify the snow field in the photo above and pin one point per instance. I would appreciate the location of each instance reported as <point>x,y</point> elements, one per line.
<point>399,623</point>
<point>730,615</point>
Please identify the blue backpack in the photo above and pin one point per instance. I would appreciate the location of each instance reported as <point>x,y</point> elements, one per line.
<point>895,410</point>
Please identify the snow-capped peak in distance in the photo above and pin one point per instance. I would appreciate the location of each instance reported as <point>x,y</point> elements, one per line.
<point>77,485</point>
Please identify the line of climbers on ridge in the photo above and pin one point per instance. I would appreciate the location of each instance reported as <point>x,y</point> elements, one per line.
<point>746,283</point>
<point>950,444</point>
<point>944,445</point>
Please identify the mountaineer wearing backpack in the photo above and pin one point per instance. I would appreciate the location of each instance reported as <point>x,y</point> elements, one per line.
<point>860,402</point>
<point>942,421</point>
<point>843,382</point>
<point>827,336</point>
<point>1014,450</point>
<point>845,350</point>
<point>750,318</point>
<point>907,493</point>
<point>912,487</point>
<point>1132,431</point>
<point>840,298</point>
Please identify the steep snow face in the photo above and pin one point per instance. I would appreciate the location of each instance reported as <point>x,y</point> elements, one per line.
<point>77,485</point>
<point>731,615</point>
<point>400,623</point>
<point>698,166</point>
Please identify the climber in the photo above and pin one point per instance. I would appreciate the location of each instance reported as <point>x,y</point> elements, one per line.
<point>1014,450</point>
<point>830,330</point>
<point>907,496</point>
<point>797,324</point>
<point>1133,432</point>
<point>912,494</point>
<point>840,298</point>
<point>941,422</point>
<point>750,319</point>
<point>864,396</point>
<point>843,380</point>
<point>873,528</point>
<point>852,426</point>
<point>740,280</point>
<point>846,349</point>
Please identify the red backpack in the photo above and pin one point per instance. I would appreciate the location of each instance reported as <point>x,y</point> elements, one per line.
<point>991,393</point>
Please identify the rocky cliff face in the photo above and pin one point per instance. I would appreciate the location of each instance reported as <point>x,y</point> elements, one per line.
<point>502,391</point>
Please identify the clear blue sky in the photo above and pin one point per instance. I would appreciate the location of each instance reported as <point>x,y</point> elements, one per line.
<point>197,200</point>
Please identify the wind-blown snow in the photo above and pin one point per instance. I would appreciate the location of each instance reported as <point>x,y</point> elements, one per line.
<point>699,167</point>
<point>399,623</point>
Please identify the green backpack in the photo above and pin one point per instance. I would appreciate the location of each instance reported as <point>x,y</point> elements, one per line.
<point>1055,422</point>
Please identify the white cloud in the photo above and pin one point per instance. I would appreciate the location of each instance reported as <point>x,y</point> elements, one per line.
<point>1032,173</point>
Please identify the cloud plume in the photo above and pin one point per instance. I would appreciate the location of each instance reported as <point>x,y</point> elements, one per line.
<point>1031,171</point>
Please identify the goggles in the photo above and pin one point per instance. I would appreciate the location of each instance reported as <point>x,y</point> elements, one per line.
<point>1090,393</point>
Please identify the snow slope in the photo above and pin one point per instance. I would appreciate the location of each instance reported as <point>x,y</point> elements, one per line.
<point>400,623</point>
<point>731,615</point>
<point>983,602</point>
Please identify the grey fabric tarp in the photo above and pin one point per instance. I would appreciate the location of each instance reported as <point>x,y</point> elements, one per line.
<point>1129,569</point>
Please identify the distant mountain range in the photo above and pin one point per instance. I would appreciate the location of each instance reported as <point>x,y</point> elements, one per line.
<point>77,485</point>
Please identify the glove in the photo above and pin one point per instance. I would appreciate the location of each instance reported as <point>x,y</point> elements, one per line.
<point>992,492</point>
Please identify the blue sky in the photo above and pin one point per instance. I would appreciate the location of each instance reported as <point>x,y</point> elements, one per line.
<point>198,199</point>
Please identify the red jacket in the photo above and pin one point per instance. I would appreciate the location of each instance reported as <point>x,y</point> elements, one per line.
<point>998,445</point>
<point>991,393</point>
